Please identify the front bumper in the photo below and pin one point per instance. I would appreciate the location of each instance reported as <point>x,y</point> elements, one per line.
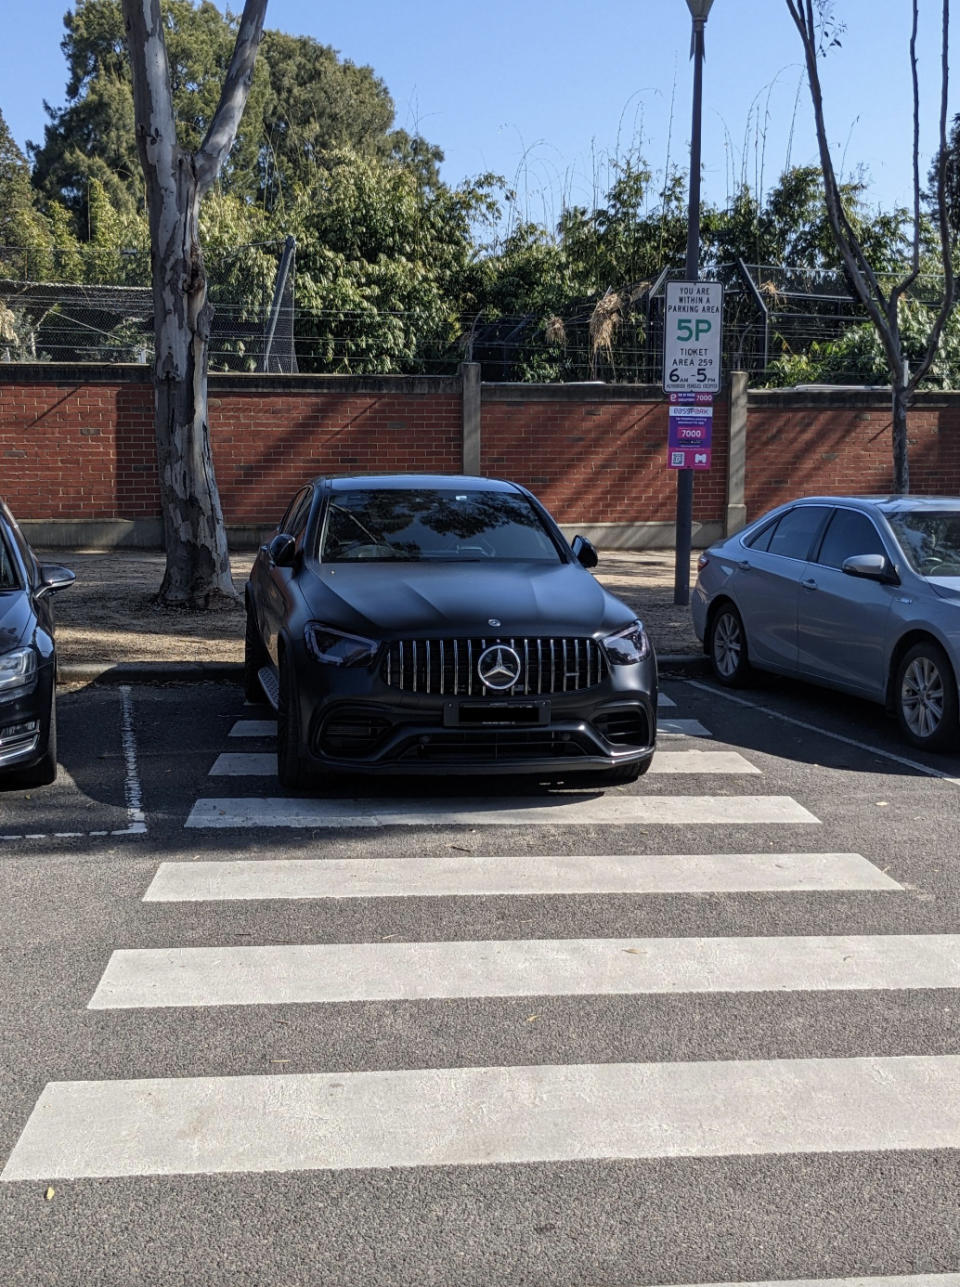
<point>24,718</point>
<point>354,722</point>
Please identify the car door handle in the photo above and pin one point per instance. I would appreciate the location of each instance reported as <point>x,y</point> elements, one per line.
<point>745,565</point>
<point>808,583</point>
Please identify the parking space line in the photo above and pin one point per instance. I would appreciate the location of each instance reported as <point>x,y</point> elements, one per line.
<point>816,728</point>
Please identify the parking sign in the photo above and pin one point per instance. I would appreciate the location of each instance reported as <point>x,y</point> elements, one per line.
<point>693,330</point>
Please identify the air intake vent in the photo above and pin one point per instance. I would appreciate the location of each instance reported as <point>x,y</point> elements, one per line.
<point>624,728</point>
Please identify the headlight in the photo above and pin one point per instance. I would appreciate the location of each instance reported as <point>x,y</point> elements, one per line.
<point>335,648</point>
<point>18,669</point>
<point>628,646</point>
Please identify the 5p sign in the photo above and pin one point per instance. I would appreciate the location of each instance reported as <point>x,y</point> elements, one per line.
<point>692,335</point>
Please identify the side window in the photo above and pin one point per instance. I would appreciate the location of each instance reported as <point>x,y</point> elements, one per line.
<point>295,519</point>
<point>796,531</point>
<point>849,533</point>
<point>9,577</point>
<point>762,539</point>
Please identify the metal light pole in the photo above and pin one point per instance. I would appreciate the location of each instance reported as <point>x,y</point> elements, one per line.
<point>699,9</point>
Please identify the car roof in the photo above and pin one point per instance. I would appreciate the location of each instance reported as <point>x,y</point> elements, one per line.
<point>393,482</point>
<point>885,504</point>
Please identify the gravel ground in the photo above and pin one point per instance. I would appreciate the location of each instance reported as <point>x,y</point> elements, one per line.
<point>108,616</point>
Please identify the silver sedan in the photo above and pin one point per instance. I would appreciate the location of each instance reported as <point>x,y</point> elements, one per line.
<point>856,593</point>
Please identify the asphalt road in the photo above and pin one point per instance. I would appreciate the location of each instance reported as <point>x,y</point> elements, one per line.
<point>363,1087</point>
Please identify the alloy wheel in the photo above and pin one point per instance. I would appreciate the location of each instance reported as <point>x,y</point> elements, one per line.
<point>727,644</point>
<point>922,697</point>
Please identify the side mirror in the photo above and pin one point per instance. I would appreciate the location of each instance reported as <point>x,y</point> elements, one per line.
<point>282,549</point>
<point>584,552</point>
<point>53,577</point>
<point>871,567</point>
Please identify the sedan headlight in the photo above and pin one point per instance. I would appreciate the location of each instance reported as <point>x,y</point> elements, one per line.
<point>18,669</point>
<point>335,648</point>
<point>628,646</point>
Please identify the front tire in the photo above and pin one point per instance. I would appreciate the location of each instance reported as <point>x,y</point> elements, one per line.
<point>925,698</point>
<point>727,648</point>
<point>254,657</point>
<point>290,767</point>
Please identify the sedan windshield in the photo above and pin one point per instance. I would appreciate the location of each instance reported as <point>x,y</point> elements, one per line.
<point>930,540</point>
<point>436,524</point>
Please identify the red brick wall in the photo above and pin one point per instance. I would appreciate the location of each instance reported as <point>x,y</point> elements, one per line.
<point>593,459</point>
<point>86,450</point>
<point>77,447</point>
<point>841,444</point>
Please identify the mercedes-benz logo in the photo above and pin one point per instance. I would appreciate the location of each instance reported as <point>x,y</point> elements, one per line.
<point>499,667</point>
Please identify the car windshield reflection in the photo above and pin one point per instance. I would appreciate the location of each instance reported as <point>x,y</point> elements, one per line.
<point>930,541</point>
<point>433,525</point>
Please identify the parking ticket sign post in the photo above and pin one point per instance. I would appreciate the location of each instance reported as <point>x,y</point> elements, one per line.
<point>692,347</point>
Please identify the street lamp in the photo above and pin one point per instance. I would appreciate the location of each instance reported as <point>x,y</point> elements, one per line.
<point>699,9</point>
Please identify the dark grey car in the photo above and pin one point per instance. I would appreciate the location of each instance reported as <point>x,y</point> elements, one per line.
<point>442,625</point>
<point>28,663</point>
<point>857,593</point>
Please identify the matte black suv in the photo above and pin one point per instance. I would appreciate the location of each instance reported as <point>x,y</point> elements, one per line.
<point>436,625</point>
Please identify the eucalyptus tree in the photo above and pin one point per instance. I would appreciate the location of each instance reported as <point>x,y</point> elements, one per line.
<point>819,30</point>
<point>176,178</point>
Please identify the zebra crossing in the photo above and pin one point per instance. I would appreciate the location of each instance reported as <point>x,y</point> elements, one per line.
<point>511,1113</point>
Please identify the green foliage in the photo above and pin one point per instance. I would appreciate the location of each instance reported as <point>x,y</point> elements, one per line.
<point>303,102</point>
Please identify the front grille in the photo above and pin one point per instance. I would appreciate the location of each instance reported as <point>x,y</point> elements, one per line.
<point>448,667</point>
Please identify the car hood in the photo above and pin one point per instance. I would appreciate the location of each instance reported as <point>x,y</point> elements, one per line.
<point>15,618</point>
<point>437,599</point>
<point>947,587</point>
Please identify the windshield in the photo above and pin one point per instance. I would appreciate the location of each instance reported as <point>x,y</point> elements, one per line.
<point>930,540</point>
<point>437,524</point>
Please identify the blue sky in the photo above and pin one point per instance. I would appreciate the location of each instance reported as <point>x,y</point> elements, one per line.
<point>544,93</point>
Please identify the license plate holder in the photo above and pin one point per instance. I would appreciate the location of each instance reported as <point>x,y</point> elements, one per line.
<point>496,714</point>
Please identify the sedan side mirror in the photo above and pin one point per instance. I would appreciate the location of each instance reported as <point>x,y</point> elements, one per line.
<point>282,549</point>
<point>872,567</point>
<point>584,552</point>
<point>53,577</point>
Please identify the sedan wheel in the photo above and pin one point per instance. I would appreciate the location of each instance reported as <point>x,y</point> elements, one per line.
<point>728,647</point>
<point>926,698</point>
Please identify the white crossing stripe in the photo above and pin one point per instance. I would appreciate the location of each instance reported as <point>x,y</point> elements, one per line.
<point>264,763</point>
<point>572,810</point>
<point>477,1116</point>
<point>254,728</point>
<point>467,874</point>
<point>146,978</point>
<point>682,728</point>
<point>663,701</point>
<point>900,1280</point>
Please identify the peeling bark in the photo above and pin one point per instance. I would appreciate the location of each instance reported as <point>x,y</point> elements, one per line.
<point>198,567</point>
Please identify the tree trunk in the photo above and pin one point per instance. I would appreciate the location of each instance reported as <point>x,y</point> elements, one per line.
<point>198,564</point>
<point>901,456</point>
